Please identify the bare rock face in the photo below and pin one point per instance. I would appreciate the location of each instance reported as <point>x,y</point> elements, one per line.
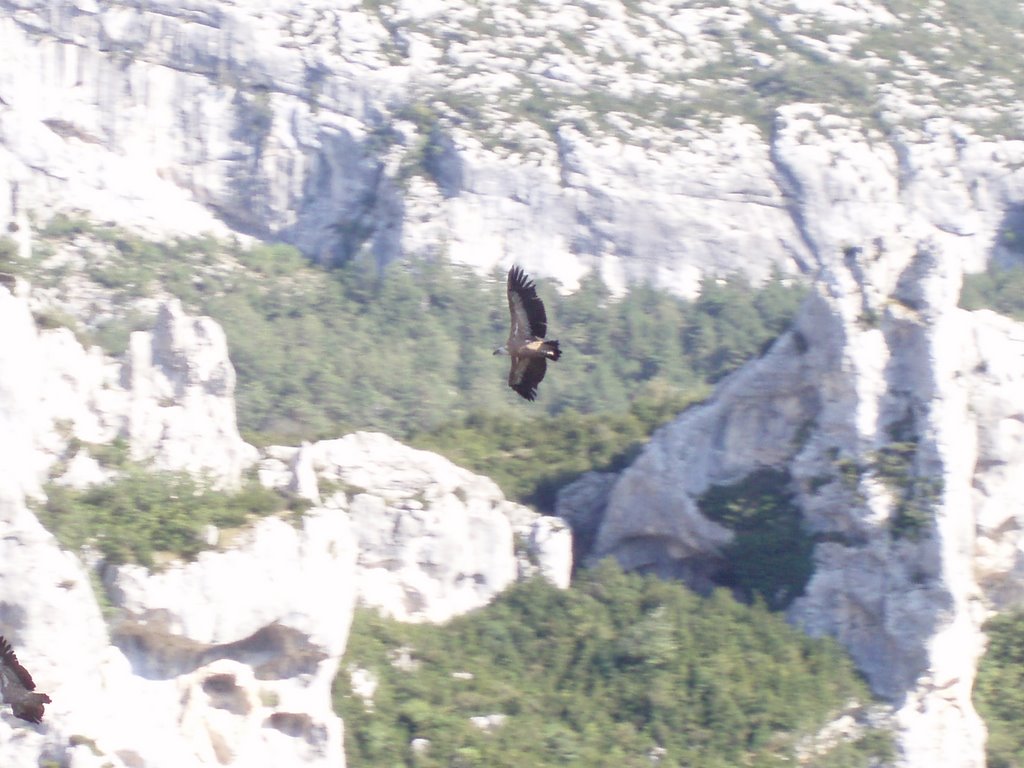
<point>224,661</point>
<point>582,504</point>
<point>248,639</point>
<point>283,124</point>
<point>48,612</point>
<point>171,399</point>
<point>181,415</point>
<point>336,126</point>
<point>434,540</point>
<point>898,417</point>
<point>752,420</point>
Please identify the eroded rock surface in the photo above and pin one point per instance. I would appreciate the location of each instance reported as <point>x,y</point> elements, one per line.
<point>235,652</point>
<point>434,540</point>
<point>895,413</point>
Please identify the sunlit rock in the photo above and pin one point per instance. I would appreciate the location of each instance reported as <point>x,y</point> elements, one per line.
<point>181,414</point>
<point>891,409</point>
<point>434,540</point>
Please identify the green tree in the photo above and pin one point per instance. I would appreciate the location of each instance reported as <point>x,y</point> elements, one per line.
<point>140,513</point>
<point>770,556</point>
<point>998,288</point>
<point>614,669</point>
<point>999,691</point>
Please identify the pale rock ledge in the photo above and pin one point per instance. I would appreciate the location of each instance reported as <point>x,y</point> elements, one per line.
<point>434,540</point>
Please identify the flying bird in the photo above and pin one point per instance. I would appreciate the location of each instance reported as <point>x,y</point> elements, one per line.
<point>526,344</point>
<point>16,686</point>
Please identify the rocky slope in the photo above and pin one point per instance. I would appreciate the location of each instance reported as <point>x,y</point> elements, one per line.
<point>228,659</point>
<point>860,143</point>
<point>895,414</point>
<point>643,140</point>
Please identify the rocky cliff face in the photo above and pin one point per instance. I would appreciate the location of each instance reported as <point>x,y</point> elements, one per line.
<point>645,141</point>
<point>201,670</point>
<point>632,139</point>
<point>434,540</point>
<point>893,411</point>
<point>170,399</point>
<point>229,659</point>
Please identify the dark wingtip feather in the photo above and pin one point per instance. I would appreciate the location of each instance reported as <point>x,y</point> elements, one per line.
<point>526,290</point>
<point>8,657</point>
<point>526,392</point>
<point>518,280</point>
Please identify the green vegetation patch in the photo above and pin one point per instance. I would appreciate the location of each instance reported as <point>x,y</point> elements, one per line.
<point>611,672</point>
<point>140,513</point>
<point>771,555</point>
<point>1000,289</point>
<point>407,350</point>
<point>531,460</point>
<point>913,491</point>
<point>999,691</point>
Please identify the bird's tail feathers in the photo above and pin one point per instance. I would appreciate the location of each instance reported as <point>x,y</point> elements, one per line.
<point>551,349</point>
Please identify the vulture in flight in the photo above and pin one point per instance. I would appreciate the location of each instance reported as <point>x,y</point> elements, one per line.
<point>16,686</point>
<point>526,344</point>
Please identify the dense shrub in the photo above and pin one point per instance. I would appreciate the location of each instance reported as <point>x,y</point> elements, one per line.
<point>999,691</point>
<point>613,671</point>
<point>141,512</point>
<point>770,556</point>
<point>998,288</point>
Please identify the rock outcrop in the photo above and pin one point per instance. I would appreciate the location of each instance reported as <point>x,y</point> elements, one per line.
<point>171,399</point>
<point>434,540</point>
<point>182,410</point>
<point>234,653</point>
<point>229,674</point>
<point>205,669</point>
<point>399,130</point>
<point>895,413</point>
<point>246,642</point>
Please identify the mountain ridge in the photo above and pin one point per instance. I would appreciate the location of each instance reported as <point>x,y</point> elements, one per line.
<point>385,130</point>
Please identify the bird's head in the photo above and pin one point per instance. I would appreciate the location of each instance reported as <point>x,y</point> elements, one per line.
<point>501,351</point>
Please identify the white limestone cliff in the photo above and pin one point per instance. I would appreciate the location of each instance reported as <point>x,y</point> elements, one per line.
<point>182,410</point>
<point>202,671</point>
<point>229,659</point>
<point>880,354</point>
<point>171,398</point>
<point>343,129</point>
<point>246,641</point>
<point>286,121</point>
<point>434,540</point>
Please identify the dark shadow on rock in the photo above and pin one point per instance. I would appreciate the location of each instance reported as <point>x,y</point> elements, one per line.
<point>664,558</point>
<point>1008,249</point>
<point>274,652</point>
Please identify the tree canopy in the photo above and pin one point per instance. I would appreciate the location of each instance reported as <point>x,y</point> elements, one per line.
<point>613,671</point>
<point>406,349</point>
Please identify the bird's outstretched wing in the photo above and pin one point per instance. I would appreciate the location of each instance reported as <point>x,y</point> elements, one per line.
<point>525,307</point>
<point>525,374</point>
